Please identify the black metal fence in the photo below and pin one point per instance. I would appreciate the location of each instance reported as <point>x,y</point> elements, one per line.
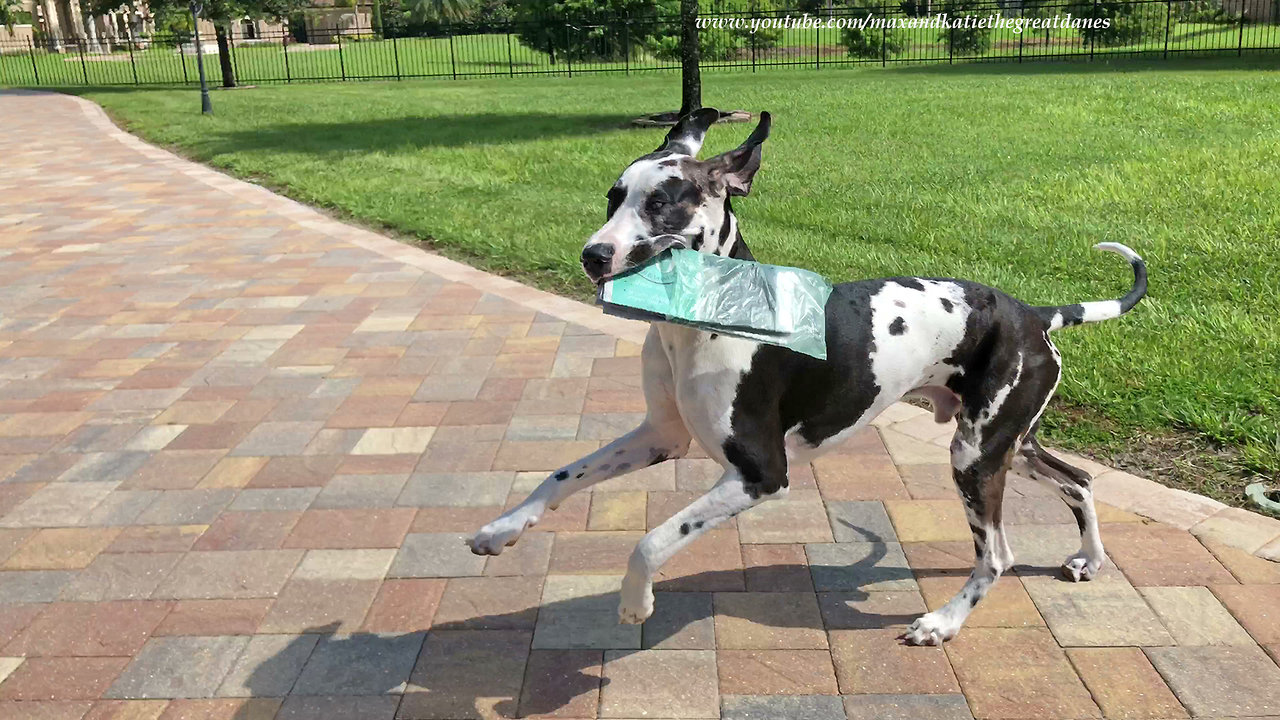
<point>880,34</point>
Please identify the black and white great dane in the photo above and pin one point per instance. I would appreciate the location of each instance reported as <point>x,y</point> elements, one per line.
<point>975,353</point>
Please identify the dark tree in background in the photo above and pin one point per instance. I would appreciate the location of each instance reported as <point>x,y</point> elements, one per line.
<point>690,57</point>
<point>220,12</point>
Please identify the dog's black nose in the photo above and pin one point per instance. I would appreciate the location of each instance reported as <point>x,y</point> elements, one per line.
<point>596,259</point>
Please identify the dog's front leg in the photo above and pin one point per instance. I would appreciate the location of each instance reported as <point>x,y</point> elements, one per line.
<point>646,445</point>
<point>661,436</point>
<point>729,497</point>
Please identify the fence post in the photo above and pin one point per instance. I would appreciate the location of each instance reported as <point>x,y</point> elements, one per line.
<point>568,54</point>
<point>133,65</point>
<point>951,42</point>
<point>31,49</point>
<point>753,40</point>
<point>342,63</point>
<point>84,66</point>
<point>1240,47</point>
<point>395,53</point>
<point>1022,36</point>
<point>453,58</point>
<point>511,63</point>
<point>1168,22</point>
<point>626,44</point>
<point>1092,36</point>
<point>284,44</point>
<point>884,36</point>
<point>181,56</point>
<point>817,45</point>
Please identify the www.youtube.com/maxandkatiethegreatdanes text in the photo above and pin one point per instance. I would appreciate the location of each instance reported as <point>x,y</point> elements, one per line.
<point>940,21</point>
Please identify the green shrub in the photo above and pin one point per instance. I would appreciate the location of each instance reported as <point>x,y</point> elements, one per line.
<point>592,29</point>
<point>966,40</point>
<point>872,42</point>
<point>1131,23</point>
<point>719,44</point>
<point>1204,11</point>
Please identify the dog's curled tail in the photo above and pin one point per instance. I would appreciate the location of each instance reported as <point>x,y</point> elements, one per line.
<point>1060,316</point>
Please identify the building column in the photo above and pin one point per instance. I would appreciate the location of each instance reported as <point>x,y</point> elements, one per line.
<point>52,28</point>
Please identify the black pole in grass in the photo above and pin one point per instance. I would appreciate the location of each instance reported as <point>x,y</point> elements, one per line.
<point>206,105</point>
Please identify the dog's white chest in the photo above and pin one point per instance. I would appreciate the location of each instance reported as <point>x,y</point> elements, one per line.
<point>707,370</point>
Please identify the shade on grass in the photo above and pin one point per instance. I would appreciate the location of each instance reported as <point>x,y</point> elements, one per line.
<point>1001,174</point>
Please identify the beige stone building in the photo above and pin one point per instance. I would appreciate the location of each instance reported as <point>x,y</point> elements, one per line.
<point>1255,10</point>
<point>57,22</point>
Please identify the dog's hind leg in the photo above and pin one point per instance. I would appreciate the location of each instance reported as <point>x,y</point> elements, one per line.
<point>1075,487</point>
<point>982,489</point>
<point>662,436</point>
<point>999,408</point>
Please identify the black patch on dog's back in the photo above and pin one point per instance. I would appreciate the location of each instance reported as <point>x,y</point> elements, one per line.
<point>898,326</point>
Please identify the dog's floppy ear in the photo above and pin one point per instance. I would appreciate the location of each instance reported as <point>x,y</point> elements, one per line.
<point>689,131</point>
<point>737,167</point>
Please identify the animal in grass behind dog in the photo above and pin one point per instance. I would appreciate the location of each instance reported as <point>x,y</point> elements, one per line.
<point>977,354</point>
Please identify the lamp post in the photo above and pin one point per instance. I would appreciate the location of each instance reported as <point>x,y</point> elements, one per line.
<point>206,106</point>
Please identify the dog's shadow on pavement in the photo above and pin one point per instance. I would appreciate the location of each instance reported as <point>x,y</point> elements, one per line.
<point>483,666</point>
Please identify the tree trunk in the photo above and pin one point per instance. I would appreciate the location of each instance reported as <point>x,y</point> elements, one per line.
<point>690,55</point>
<point>224,56</point>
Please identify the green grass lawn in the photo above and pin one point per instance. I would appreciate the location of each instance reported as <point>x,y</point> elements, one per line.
<point>997,173</point>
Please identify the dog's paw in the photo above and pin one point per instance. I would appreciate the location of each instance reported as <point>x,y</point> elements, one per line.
<point>930,629</point>
<point>1079,568</point>
<point>636,607</point>
<point>500,534</point>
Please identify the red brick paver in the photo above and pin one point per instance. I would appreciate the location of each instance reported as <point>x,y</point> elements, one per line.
<point>242,444</point>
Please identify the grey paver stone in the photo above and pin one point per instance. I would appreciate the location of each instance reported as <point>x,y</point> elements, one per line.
<point>853,521</point>
<point>907,707</point>
<point>268,666</point>
<point>1220,682</point>
<point>781,707</point>
<point>360,664</point>
<point>681,621</point>
<point>478,489</point>
<point>186,507</point>
<point>859,566</point>
<point>178,667</point>
<point>436,555</point>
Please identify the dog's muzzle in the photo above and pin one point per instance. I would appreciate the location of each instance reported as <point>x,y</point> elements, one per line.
<point>598,258</point>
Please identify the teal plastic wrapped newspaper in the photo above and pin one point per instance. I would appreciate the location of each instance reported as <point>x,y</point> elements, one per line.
<point>772,304</point>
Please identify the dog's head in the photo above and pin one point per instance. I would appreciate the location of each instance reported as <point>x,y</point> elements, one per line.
<point>670,198</point>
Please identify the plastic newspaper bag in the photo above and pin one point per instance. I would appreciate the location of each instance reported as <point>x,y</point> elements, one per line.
<point>772,304</point>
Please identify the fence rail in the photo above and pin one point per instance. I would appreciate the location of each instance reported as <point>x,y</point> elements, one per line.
<point>627,45</point>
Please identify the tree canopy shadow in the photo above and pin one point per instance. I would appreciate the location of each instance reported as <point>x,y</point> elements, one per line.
<point>398,133</point>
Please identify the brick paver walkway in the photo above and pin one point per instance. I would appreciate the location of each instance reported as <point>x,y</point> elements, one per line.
<point>241,444</point>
